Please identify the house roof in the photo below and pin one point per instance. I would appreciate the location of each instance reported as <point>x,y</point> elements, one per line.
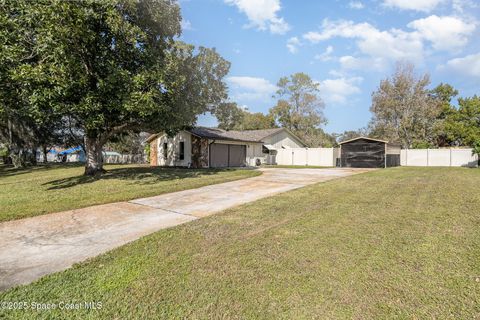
<point>152,137</point>
<point>234,135</point>
<point>365,138</point>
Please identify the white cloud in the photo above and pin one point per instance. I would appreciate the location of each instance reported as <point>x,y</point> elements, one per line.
<point>417,5</point>
<point>394,44</point>
<point>468,65</point>
<point>461,5</point>
<point>326,55</point>
<point>262,14</point>
<point>381,46</point>
<point>356,5</point>
<point>293,44</point>
<point>336,73</point>
<point>363,63</point>
<point>339,90</point>
<point>445,33</point>
<point>186,25</point>
<point>251,88</point>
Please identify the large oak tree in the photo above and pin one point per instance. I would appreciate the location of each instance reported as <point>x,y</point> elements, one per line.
<point>113,66</point>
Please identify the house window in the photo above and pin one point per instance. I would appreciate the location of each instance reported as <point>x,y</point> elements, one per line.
<point>165,149</point>
<point>182,150</point>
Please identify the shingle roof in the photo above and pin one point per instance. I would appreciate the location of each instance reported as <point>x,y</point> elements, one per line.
<point>220,134</point>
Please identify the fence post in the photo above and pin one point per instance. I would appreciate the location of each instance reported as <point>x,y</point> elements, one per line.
<point>450,157</point>
<point>428,158</point>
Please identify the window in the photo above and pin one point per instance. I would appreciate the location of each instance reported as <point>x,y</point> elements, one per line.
<point>182,150</point>
<point>165,149</point>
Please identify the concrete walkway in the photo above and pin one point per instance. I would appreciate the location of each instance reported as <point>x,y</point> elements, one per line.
<point>33,247</point>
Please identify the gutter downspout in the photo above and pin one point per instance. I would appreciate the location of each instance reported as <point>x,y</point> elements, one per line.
<point>213,141</point>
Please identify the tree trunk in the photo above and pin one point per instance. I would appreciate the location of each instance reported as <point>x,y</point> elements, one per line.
<point>45,154</point>
<point>33,156</point>
<point>93,156</point>
<point>18,157</point>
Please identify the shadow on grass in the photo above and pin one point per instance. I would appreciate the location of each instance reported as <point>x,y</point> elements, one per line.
<point>139,175</point>
<point>9,170</point>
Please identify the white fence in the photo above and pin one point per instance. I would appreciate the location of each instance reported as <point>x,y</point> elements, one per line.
<point>438,158</point>
<point>325,157</point>
<point>125,158</point>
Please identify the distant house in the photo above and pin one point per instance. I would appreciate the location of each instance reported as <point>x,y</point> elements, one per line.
<point>77,154</point>
<point>212,147</point>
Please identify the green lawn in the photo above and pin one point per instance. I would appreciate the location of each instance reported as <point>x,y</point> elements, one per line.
<point>394,243</point>
<point>45,189</point>
<point>294,167</point>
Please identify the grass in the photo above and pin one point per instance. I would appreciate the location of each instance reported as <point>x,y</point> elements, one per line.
<point>45,189</point>
<point>294,167</point>
<point>395,243</point>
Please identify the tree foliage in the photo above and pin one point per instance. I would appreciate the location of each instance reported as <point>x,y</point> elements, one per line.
<point>404,110</point>
<point>299,107</point>
<point>107,67</point>
<point>231,117</point>
<point>28,89</point>
<point>462,125</point>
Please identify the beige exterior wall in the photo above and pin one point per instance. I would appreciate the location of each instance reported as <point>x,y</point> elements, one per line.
<point>173,150</point>
<point>283,139</point>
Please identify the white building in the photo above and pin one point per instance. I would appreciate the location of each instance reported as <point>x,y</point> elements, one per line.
<point>212,147</point>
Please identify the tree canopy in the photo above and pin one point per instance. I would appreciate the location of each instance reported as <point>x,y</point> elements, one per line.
<point>231,117</point>
<point>462,125</point>
<point>404,110</point>
<point>106,67</point>
<point>299,107</point>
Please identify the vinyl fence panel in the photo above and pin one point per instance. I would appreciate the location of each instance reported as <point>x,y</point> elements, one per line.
<point>438,157</point>
<point>307,157</point>
<point>464,158</point>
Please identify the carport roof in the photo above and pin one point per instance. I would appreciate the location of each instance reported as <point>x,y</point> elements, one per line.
<point>365,138</point>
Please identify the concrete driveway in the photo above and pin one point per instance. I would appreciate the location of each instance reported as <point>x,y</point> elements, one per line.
<point>33,247</point>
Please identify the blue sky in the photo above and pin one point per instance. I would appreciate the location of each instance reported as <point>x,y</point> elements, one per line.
<point>347,46</point>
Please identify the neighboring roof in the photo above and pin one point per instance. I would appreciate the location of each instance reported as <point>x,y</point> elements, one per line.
<point>233,135</point>
<point>269,147</point>
<point>71,150</point>
<point>365,138</point>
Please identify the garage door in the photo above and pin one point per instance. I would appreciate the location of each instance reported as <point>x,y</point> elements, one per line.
<point>237,155</point>
<point>227,155</point>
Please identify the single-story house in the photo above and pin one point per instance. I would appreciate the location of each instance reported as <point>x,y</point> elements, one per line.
<point>363,152</point>
<point>202,147</point>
